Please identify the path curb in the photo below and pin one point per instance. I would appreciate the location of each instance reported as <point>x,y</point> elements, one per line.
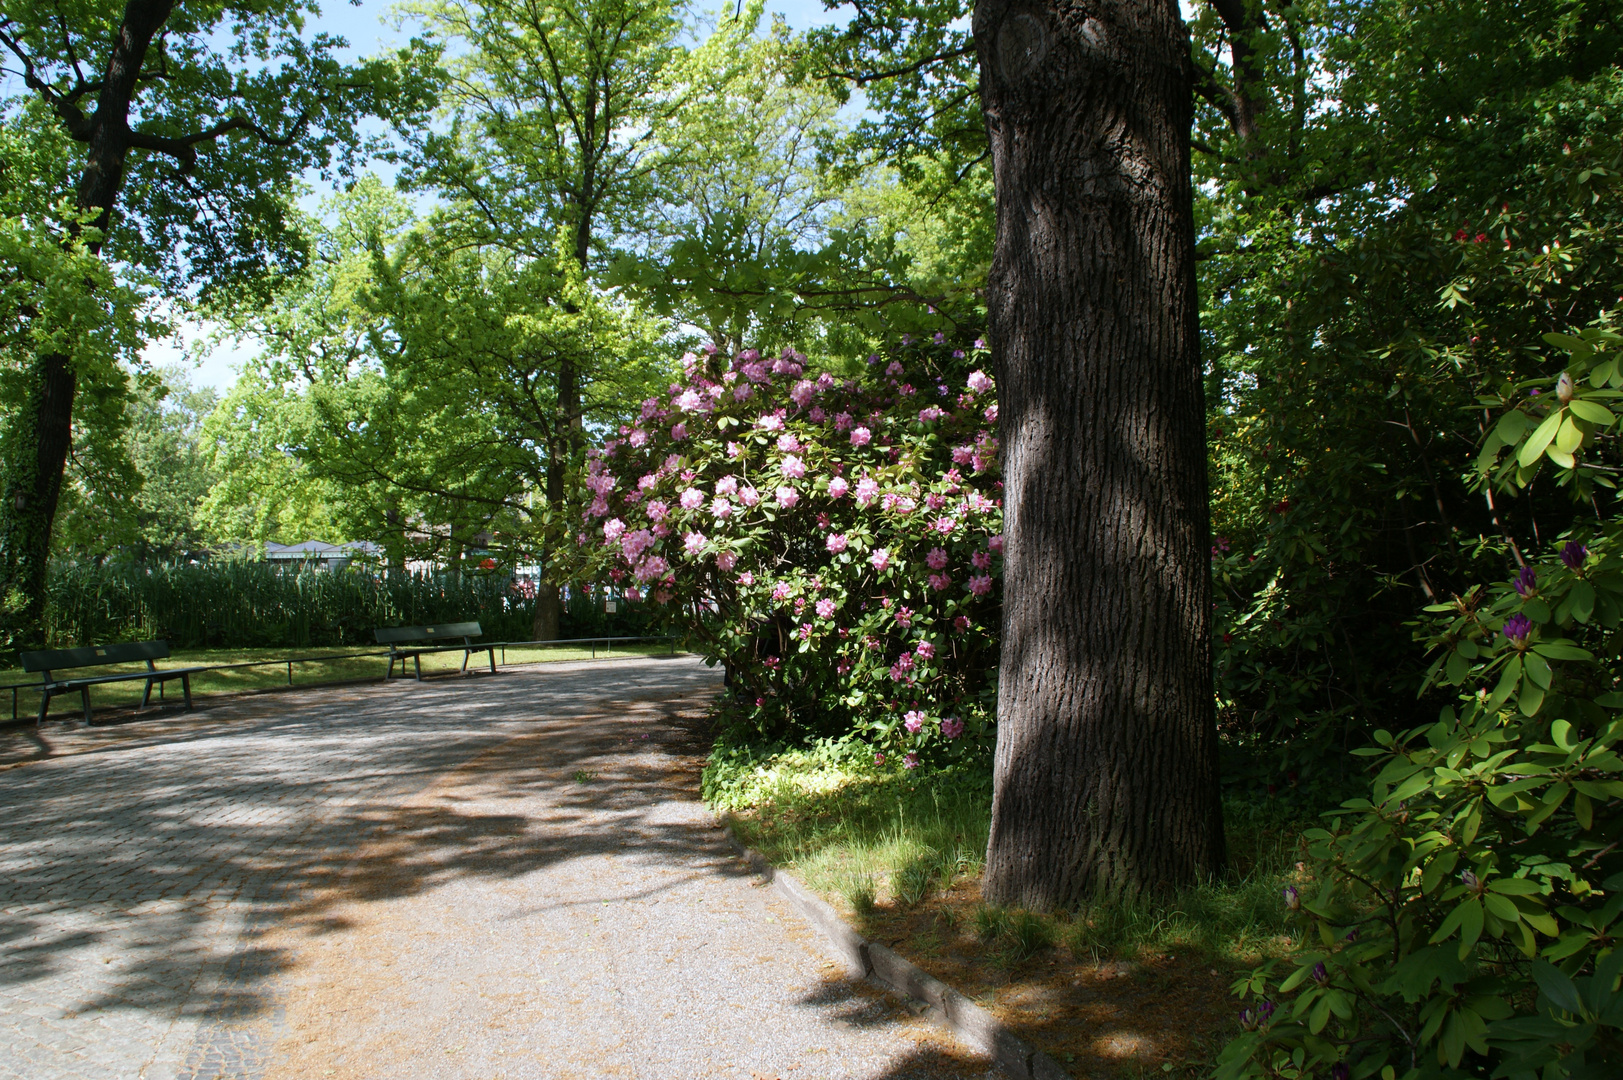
<point>942,1004</point>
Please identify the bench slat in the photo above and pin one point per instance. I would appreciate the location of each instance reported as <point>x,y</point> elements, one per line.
<point>392,634</point>
<point>94,655</point>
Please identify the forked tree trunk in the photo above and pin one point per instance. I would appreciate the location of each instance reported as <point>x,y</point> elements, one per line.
<point>1106,765</point>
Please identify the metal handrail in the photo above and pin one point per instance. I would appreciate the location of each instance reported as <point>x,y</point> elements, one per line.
<point>608,642</point>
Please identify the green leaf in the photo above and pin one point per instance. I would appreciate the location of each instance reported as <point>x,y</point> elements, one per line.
<point>1512,426</point>
<point>1569,437</point>
<point>1556,986</point>
<point>1455,920</point>
<point>1531,699</point>
<point>1470,926</point>
<point>1582,600</point>
<point>1411,787</point>
<point>1502,907</point>
<point>1534,446</point>
<point>1583,810</point>
<point>1452,1045</point>
<point>1507,683</point>
<point>1568,945</point>
<point>1594,412</point>
<point>1320,1015</point>
<point>1556,650</point>
<point>1537,669</point>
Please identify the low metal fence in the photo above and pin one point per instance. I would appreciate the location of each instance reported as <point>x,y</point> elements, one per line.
<point>606,643</point>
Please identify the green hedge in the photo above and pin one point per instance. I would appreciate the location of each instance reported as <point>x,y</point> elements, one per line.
<point>258,605</point>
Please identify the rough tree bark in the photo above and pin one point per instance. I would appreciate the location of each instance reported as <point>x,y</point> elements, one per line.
<point>40,435</point>
<point>1106,770</point>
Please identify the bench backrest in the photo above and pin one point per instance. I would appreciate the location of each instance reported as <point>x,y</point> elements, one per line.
<point>94,655</point>
<point>391,634</point>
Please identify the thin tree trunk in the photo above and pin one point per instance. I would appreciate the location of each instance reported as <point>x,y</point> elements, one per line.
<point>1106,767</point>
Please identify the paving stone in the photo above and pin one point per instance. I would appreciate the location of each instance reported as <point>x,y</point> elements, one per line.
<point>161,888</point>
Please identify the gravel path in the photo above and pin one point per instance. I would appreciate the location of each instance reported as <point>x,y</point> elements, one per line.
<point>506,876</point>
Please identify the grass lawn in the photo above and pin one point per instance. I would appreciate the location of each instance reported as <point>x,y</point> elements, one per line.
<point>1113,991</point>
<point>314,666</point>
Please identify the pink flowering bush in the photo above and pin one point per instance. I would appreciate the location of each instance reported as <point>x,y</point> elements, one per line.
<point>835,542</point>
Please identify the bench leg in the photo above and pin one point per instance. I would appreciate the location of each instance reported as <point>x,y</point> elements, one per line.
<point>493,661</point>
<point>44,704</point>
<point>186,688</point>
<point>417,658</point>
<point>146,692</point>
<point>84,697</point>
<point>465,654</point>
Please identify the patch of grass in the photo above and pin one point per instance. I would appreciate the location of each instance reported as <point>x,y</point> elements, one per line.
<point>859,893</point>
<point>841,823</point>
<point>1029,934</point>
<point>910,884</point>
<point>991,923</point>
<point>584,777</point>
<point>314,666</point>
<point>832,816</point>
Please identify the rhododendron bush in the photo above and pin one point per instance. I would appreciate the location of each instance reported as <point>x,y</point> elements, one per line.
<point>834,541</point>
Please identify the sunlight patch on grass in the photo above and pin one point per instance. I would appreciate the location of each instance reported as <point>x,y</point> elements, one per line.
<point>874,837</point>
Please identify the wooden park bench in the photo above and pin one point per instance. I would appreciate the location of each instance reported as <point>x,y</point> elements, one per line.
<point>47,661</point>
<point>393,636</point>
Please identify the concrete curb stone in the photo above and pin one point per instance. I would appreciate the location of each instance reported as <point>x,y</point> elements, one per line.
<point>941,1003</point>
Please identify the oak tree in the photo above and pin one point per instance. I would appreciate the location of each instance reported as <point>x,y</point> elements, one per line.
<point>1105,780</point>
<point>185,154</point>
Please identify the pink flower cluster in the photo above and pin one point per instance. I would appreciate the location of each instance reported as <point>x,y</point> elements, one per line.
<point>813,529</point>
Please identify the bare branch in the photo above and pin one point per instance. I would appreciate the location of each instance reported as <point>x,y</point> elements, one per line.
<point>184,150</point>
<point>863,79</point>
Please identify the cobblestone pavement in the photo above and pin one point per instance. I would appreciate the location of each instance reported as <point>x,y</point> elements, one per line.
<point>503,876</point>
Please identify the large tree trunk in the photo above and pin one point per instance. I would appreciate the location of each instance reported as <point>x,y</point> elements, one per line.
<point>1106,765</point>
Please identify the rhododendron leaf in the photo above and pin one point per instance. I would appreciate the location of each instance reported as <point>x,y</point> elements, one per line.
<point>1570,436</point>
<point>1535,444</point>
<point>1592,411</point>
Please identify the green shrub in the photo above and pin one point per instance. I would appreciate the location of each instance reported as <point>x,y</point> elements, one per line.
<point>260,605</point>
<point>1465,919</point>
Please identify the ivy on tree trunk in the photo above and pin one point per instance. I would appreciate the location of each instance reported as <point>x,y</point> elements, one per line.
<point>1106,767</point>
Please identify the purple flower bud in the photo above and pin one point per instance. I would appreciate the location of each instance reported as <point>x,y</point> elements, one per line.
<point>1248,1019</point>
<point>1526,582</point>
<point>1293,899</point>
<point>1573,555</point>
<point>1265,1012</point>
<point>1533,392</point>
<point>1352,935</point>
<point>1517,627</point>
<point>1320,973</point>
<point>1339,1071</point>
<point>1469,880</point>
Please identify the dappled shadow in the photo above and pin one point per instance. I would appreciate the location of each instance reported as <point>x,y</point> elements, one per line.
<point>184,873</point>
<point>138,872</point>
